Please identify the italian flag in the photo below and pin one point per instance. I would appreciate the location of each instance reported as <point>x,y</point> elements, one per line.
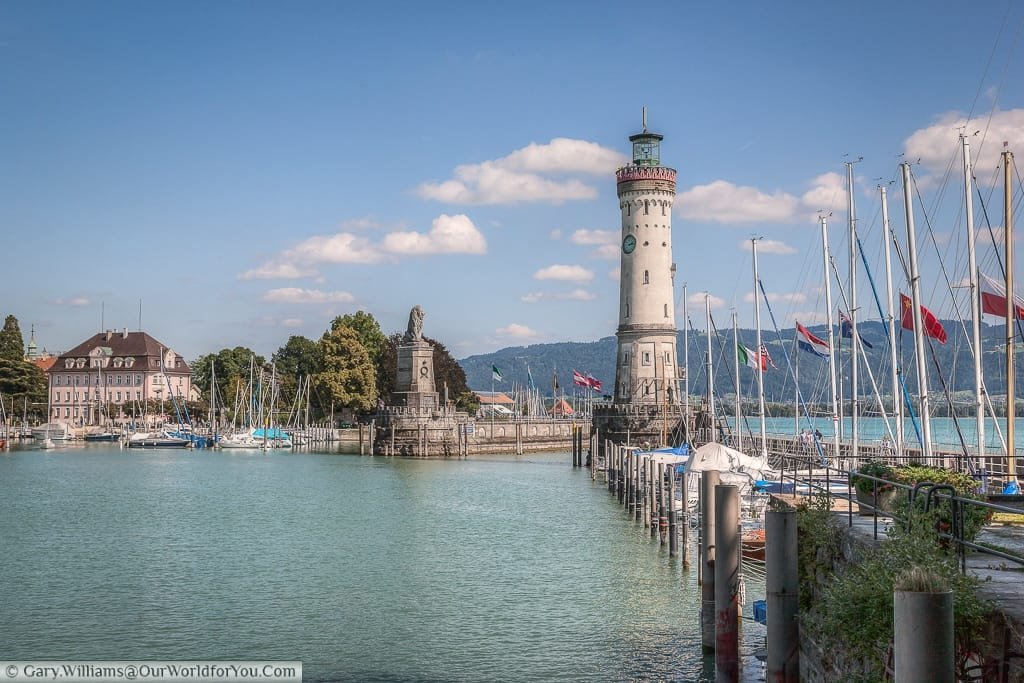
<point>495,373</point>
<point>749,358</point>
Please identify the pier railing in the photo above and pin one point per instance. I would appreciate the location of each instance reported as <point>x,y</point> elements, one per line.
<point>805,477</point>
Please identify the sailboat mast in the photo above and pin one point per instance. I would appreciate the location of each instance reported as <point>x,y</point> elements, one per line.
<point>739,397</point>
<point>710,372</point>
<point>686,367</point>
<point>854,339</point>
<point>760,359</point>
<point>894,368</point>
<point>972,261</point>
<point>1011,319</point>
<point>915,288</point>
<point>831,341</point>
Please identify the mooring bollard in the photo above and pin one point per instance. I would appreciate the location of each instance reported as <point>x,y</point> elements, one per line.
<point>727,578</point>
<point>923,644</point>
<point>708,483</point>
<point>673,540</point>
<point>781,572</point>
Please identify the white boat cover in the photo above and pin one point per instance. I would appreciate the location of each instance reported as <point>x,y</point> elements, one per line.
<point>716,456</point>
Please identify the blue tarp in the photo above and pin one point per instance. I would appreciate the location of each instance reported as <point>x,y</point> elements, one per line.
<point>271,433</point>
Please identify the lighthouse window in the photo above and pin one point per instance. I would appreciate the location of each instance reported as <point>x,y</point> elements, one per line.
<point>647,358</point>
<point>663,208</point>
<point>627,310</point>
<point>668,358</point>
<point>629,209</point>
<point>666,310</point>
<point>647,277</point>
<point>645,207</point>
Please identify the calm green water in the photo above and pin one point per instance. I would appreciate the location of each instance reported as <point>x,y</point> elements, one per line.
<point>365,569</point>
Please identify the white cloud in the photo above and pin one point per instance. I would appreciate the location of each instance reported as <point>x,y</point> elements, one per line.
<point>295,295</point>
<point>277,270</point>
<point>292,322</point>
<point>810,317</point>
<point>592,237</point>
<point>827,193</point>
<point>73,301</point>
<point>517,331</point>
<point>936,145</point>
<point>520,176</point>
<point>564,272</point>
<point>698,300</point>
<point>448,235</point>
<point>768,247</point>
<point>606,252</point>
<point>775,297</point>
<point>342,247</point>
<point>723,202</point>
<point>572,295</point>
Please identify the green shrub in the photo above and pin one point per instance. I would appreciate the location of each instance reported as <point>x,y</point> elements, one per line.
<point>940,516</point>
<point>872,468</point>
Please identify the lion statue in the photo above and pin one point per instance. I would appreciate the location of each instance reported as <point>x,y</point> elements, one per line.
<point>415,330</point>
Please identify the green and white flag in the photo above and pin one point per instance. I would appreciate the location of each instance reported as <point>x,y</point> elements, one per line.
<point>495,373</point>
<point>747,356</point>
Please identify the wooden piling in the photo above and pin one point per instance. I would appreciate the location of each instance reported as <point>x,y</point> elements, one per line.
<point>673,539</point>
<point>708,482</point>
<point>727,578</point>
<point>781,584</point>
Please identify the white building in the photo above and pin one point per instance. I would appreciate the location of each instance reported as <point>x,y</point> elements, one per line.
<point>121,368</point>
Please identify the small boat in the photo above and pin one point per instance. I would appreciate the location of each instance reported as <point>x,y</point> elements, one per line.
<point>103,436</point>
<point>156,440</point>
<point>752,544</point>
<point>55,431</point>
<point>46,443</point>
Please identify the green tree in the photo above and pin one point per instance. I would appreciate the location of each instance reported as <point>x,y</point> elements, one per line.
<point>297,359</point>
<point>21,381</point>
<point>230,367</point>
<point>349,377</point>
<point>367,329</point>
<point>12,344</point>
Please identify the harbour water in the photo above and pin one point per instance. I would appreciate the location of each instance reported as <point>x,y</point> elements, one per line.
<point>368,569</point>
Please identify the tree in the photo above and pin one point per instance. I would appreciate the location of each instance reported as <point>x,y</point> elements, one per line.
<point>12,344</point>
<point>21,380</point>
<point>349,376</point>
<point>367,329</point>
<point>299,358</point>
<point>230,366</point>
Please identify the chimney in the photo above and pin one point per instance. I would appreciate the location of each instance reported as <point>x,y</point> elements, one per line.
<point>124,335</point>
<point>110,333</point>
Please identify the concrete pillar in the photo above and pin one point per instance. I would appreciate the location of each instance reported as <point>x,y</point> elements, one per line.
<point>684,520</point>
<point>727,579</point>
<point>923,645</point>
<point>673,538</point>
<point>708,482</point>
<point>781,574</point>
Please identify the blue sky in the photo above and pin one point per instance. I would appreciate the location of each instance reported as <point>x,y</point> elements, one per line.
<point>250,170</point>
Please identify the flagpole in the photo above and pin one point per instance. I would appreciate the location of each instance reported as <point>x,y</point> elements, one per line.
<point>710,373</point>
<point>832,369</point>
<point>686,366</point>
<point>979,386</point>
<point>897,393</point>
<point>915,289</point>
<point>796,385</point>
<point>1011,321</point>
<point>760,359</point>
<point>854,339</point>
<point>739,398</point>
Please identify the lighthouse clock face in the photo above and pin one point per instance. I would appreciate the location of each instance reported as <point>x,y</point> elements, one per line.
<point>628,244</point>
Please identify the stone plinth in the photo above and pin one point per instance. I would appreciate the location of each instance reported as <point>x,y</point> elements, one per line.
<point>414,380</point>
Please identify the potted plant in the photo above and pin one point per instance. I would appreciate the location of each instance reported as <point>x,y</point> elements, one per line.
<point>974,517</point>
<point>874,495</point>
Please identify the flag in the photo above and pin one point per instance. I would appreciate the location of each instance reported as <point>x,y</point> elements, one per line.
<point>810,343</point>
<point>766,359</point>
<point>747,357</point>
<point>579,380</point>
<point>554,382</point>
<point>495,373</point>
<point>593,382</point>
<point>529,375</point>
<point>932,327</point>
<point>993,298</point>
<point>846,330</point>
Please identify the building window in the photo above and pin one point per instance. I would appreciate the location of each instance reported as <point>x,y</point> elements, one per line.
<point>138,395</point>
<point>119,397</point>
<point>666,310</point>
<point>138,380</point>
<point>663,208</point>
<point>67,397</point>
<point>56,380</point>
<point>647,277</point>
<point>67,412</point>
<point>668,358</point>
<point>645,207</point>
<point>647,358</point>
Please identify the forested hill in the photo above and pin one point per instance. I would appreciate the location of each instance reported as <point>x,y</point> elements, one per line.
<point>598,358</point>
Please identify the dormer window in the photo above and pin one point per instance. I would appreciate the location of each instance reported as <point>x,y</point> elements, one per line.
<point>128,362</point>
<point>118,362</point>
<point>69,363</point>
<point>80,363</point>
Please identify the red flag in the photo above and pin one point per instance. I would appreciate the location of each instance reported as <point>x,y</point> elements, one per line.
<point>593,382</point>
<point>932,327</point>
<point>993,298</point>
<point>579,380</point>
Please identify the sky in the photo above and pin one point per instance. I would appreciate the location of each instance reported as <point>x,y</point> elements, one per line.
<point>240,172</point>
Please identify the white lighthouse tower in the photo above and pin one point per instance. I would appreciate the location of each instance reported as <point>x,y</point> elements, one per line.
<point>646,369</point>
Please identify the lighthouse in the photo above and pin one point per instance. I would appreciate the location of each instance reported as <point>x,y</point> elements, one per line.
<point>646,370</point>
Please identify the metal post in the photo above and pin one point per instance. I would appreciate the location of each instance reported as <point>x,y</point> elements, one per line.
<point>685,521</point>
<point>781,572</point>
<point>708,482</point>
<point>727,576</point>
<point>923,645</point>
<point>673,539</point>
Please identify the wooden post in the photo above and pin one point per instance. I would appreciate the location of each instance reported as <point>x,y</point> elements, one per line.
<point>727,578</point>
<point>781,584</point>
<point>708,482</point>
<point>673,539</point>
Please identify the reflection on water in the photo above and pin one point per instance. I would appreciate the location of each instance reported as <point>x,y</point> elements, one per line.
<point>492,568</point>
